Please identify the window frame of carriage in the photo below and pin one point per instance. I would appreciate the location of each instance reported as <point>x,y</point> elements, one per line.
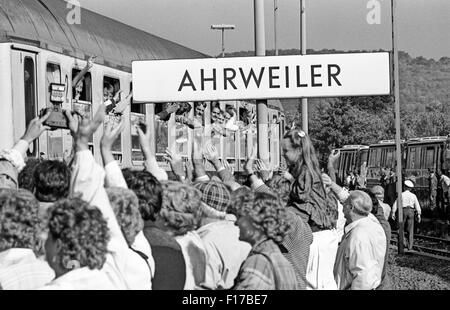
<point>75,69</point>
<point>55,134</point>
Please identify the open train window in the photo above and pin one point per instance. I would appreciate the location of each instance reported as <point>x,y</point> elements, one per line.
<point>430,155</point>
<point>137,116</point>
<point>82,98</point>
<point>161,132</point>
<point>55,147</point>
<point>111,87</point>
<point>30,97</point>
<point>230,114</point>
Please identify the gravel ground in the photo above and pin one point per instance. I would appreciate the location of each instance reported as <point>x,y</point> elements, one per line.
<point>412,272</point>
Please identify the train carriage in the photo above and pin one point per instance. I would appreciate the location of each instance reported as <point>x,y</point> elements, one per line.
<point>353,158</point>
<point>39,47</point>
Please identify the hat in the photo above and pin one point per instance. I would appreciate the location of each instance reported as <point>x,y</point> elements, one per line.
<point>6,168</point>
<point>409,183</point>
<point>214,194</point>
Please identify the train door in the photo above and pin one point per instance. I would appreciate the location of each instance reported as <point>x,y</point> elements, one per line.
<point>24,93</point>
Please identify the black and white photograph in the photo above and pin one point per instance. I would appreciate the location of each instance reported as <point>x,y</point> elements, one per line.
<point>235,146</point>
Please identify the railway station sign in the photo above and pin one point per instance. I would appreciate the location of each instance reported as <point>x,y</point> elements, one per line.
<point>268,77</point>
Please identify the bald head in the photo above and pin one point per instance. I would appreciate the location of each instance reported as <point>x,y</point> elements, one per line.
<point>360,202</point>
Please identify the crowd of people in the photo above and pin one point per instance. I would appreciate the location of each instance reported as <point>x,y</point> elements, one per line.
<point>83,225</point>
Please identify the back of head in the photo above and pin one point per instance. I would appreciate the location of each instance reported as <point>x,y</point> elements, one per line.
<point>238,197</point>
<point>282,186</point>
<point>214,194</point>
<point>19,221</point>
<point>26,176</point>
<point>147,189</point>
<point>126,208</point>
<point>301,141</point>
<point>267,214</point>
<point>82,234</point>
<point>361,202</point>
<point>51,180</point>
<point>181,207</point>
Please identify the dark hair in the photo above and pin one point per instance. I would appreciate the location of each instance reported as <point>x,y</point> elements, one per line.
<point>51,180</point>
<point>375,202</point>
<point>184,107</point>
<point>26,176</point>
<point>82,231</point>
<point>147,189</point>
<point>126,208</point>
<point>267,214</point>
<point>19,221</point>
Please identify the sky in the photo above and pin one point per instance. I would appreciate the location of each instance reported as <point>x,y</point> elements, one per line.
<point>423,25</point>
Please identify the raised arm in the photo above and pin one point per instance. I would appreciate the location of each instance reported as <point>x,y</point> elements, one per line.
<point>114,177</point>
<point>88,177</point>
<point>150,160</point>
<point>83,72</point>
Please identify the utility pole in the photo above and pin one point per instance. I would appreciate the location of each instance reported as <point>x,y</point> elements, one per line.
<point>261,105</point>
<point>223,28</point>
<point>397,127</point>
<point>275,13</point>
<point>303,52</point>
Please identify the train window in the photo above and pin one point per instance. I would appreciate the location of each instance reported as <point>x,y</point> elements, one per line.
<point>429,162</point>
<point>412,158</point>
<point>111,87</point>
<point>181,130</point>
<point>390,158</point>
<point>161,132</point>
<point>83,90</point>
<point>30,97</point>
<point>230,139</point>
<point>274,138</point>
<point>137,115</point>
<point>55,145</point>
<point>199,111</point>
<point>82,98</point>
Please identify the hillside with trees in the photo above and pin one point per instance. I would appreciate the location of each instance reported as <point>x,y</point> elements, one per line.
<point>424,100</point>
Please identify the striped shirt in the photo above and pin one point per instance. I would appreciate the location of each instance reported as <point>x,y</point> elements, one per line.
<point>266,269</point>
<point>295,246</point>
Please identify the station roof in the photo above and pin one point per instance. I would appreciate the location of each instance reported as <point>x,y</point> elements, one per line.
<point>43,23</point>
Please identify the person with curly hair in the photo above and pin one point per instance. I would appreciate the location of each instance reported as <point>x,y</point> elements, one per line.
<point>309,200</point>
<point>20,269</point>
<point>295,246</point>
<point>170,268</point>
<point>77,246</point>
<point>88,180</point>
<point>51,181</point>
<point>181,214</point>
<point>26,176</point>
<point>263,223</point>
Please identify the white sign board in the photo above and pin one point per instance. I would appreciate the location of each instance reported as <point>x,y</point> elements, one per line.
<point>274,77</point>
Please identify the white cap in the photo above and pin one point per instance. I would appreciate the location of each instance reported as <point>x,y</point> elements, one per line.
<point>409,183</point>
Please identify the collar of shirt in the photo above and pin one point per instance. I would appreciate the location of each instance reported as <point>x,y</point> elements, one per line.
<point>15,256</point>
<point>360,221</point>
<point>81,279</point>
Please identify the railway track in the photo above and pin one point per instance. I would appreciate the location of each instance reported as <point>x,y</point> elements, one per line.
<point>437,247</point>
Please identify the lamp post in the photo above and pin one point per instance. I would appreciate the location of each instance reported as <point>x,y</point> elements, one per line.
<point>303,52</point>
<point>223,28</point>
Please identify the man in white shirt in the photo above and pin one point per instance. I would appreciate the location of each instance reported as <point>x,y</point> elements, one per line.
<point>410,205</point>
<point>445,181</point>
<point>360,256</point>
